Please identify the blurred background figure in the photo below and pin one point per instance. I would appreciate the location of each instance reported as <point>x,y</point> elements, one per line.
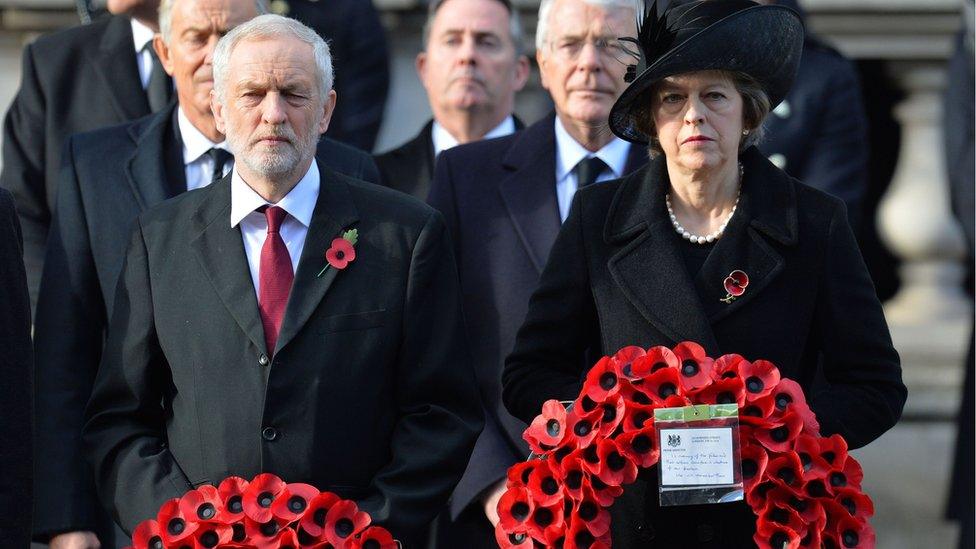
<point>74,80</point>
<point>471,67</point>
<point>361,59</point>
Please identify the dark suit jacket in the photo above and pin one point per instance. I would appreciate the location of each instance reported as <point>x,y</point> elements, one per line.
<point>616,277</point>
<point>15,391</point>
<point>498,198</point>
<point>369,392</point>
<point>109,177</point>
<point>74,80</point>
<point>409,168</point>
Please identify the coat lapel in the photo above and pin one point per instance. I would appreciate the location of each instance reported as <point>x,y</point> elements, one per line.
<point>636,158</point>
<point>220,250</point>
<point>334,212</point>
<point>529,192</point>
<point>648,266</point>
<point>115,62</point>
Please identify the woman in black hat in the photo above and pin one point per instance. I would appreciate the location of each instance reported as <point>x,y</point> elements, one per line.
<point>643,260</point>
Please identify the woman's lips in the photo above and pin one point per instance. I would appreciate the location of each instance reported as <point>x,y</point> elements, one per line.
<point>697,138</point>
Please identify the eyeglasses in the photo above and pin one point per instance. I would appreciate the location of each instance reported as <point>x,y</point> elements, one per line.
<point>569,49</point>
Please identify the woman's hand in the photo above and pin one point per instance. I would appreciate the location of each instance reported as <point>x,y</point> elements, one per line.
<point>75,540</point>
<point>490,501</point>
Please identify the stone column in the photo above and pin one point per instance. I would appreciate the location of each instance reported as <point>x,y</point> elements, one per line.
<point>914,217</point>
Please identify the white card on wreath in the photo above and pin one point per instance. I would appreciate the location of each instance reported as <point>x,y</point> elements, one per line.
<point>696,457</point>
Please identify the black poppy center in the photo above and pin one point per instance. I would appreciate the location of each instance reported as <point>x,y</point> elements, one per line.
<point>609,413</point>
<point>659,366</point>
<point>304,538</point>
<point>175,526</point>
<point>552,427</point>
<point>520,511</point>
<point>608,380</point>
<point>730,374</point>
<point>642,444</point>
<point>838,479</point>
<point>749,468</point>
<point>516,539</point>
<point>269,528</point>
<point>615,461</point>
<point>206,511</point>
<point>319,517</point>
<point>265,499</point>
<point>640,398</point>
<point>779,539</point>
<point>666,390</point>
<point>779,516</point>
<point>574,480</point>
<point>850,538</point>
<point>829,456</point>
<point>590,455</point>
<point>725,397</point>
<point>754,384</point>
<point>561,453</point>
<point>816,489</point>
<point>598,484</point>
<point>588,511</point>
<point>235,505</point>
<point>543,517</point>
<point>689,368</point>
<point>344,528</point>
<point>155,543</point>
<point>588,404</point>
<point>582,428</point>
<point>296,504</point>
<point>786,475</point>
<point>780,434</point>
<point>752,411</point>
<point>584,539</point>
<point>640,418</point>
<point>239,532</point>
<point>549,486</point>
<point>209,539</point>
<point>849,504</point>
<point>371,544</point>
<point>340,254</point>
<point>783,400</point>
<point>799,504</point>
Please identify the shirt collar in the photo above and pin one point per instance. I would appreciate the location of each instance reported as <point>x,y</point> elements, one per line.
<point>195,144</point>
<point>141,34</point>
<point>569,152</point>
<point>443,140</point>
<point>299,202</point>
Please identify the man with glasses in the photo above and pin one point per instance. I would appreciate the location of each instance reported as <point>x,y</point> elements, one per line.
<point>504,200</point>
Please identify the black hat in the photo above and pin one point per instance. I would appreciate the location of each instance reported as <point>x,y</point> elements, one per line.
<point>764,42</point>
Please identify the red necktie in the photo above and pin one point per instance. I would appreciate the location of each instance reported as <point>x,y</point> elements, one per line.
<point>275,277</point>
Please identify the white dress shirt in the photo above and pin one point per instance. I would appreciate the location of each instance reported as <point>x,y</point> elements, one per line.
<point>299,203</point>
<point>568,154</point>
<point>443,139</point>
<point>142,35</point>
<point>196,161</point>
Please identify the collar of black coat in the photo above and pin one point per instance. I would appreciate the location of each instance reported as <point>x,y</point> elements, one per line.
<point>768,199</point>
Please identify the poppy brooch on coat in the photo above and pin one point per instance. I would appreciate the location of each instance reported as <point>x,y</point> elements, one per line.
<point>342,252</point>
<point>735,285</point>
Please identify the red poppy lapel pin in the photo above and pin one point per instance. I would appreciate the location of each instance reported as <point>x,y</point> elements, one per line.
<point>735,285</point>
<point>342,252</point>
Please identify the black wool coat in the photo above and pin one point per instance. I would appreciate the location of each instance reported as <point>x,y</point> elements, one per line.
<point>369,392</point>
<point>615,277</point>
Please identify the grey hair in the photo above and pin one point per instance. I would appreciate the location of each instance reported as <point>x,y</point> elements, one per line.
<point>542,29</point>
<point>166,16</point>
<point>514,22</point>
<point>755,108</point>
<point>271,26</point>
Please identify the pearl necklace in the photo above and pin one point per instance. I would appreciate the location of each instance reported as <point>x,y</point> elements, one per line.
<point>709,238</point>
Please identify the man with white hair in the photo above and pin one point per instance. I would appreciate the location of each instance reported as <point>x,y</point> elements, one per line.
<point>504,200</point>
<point>109,176</point>
<point>241,343</point>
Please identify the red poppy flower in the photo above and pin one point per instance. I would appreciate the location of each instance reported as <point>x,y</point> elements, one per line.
<point>780,514</point>
<point>640,446</point>
<point>754,461</point>
<point>174,526</point>
<point>855,502</point>
<point>603,492</point>
<point>147,535</point>
<point>676,401</point>
<point>726,367</point>
<point>231,491</point>
<point>376,537</point>
<point>572,475</point>
<point>617,469</point>
<point>343,522</point>
<point>340,254</point>
<point>812,539</point>
<point>657,358</point>
<point>601,381</point>
<point>735,284</point>
<point>757,497</point>
<point>807,448</point>
<point>544,487</point>
<point>760,377</point>
<point>202,504</point>
<point>313,521</point>
<point>507,539</point>
<point>809,509</point>
<point>584,428</point>
<point>662,384</point>
<point>293,501</point>
<point>514,509</point>
<point>545,517</point>
<point>778,435</point>
<point>833,450</point>
<point>770,535</point>
<point>624,361</point>
<point>637,416</point>
<point>548,428</point>
<point>579,536</point>
<point>212,534</point>
<point>611,414</point>
<point>788,396</point>
<point>262,534</point>
<point>786,469</point>
<point>723,391</point>
<point>757,413</point>
<point>695,366</point>
<point>260,494</point>
<point>855,534</point>
<point>518,474</point>
<point>850,476</point>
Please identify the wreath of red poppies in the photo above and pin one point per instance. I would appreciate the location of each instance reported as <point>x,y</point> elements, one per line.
<point>804,488</point>
<point>264,513</point>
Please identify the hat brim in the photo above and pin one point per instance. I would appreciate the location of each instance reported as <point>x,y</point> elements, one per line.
<point>764,42</point>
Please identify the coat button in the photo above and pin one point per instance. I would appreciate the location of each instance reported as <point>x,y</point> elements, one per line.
<point>269,433</point>
<point>263,361</point>
<point>706,532</point>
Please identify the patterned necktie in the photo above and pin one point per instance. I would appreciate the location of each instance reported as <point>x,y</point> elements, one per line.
<point>159,90</point>
<point>588,170</point>
<point>275,277</point>
<point>219,157</point>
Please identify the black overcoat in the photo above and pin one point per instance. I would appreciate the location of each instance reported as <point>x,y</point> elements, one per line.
<point>108,178</point>
<point>498,197</point>
<point>615,277</point>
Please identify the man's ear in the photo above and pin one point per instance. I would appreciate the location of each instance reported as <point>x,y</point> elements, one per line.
<point>162,51</point>
<point>420,63</point>
<point>218,112</point>
<point>521,72</point>
<point>540,60</point>
<point>327,110</point>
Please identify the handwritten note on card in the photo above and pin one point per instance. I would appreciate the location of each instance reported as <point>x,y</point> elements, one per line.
<point>695,457</point>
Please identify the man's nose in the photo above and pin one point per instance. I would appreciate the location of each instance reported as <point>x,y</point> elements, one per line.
<point>273,109</point>
<point>210,47</point>
<point>589,57</point>
<point>467,51</point>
